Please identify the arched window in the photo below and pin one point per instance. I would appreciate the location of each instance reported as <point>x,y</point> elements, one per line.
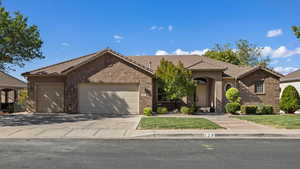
<point>228,86</point>
<point>200,80</point>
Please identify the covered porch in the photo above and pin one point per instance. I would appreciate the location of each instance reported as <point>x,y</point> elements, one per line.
<point>10,88</point>
<point>208,94</point>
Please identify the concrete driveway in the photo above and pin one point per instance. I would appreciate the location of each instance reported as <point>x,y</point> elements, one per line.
<point>66,125</point>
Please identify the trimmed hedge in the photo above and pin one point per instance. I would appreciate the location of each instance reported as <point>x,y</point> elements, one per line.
<point>162,110</point>
<point>185,110</point>
<point>148,111</point>
<point>248,109</point>
<point>264,109</point>
<point>232,107</point>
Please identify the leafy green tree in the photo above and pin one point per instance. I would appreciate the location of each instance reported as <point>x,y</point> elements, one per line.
<point>175,80</point>
<point>289,101</point>
<point>245,53</point>
<point>296,30</point>
<point>19,42</point>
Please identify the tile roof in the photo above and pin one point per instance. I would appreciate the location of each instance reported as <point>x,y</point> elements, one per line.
<point>148,63</point>
<point>7,81</point>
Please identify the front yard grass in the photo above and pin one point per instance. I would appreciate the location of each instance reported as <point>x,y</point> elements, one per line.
<point>279,121</point>
<point>176,123</point>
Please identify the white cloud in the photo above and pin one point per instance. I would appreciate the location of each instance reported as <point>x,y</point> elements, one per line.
<point>66,44</point>
<point>288,60</point>
<point>274,33</point>
<point>170,28</point>
<point>161,52</point>
<point>118,37</point>
<point>182,52</point>
<point>199,52</point>
<point>281,52</point>
<point>153,28</point>
<point>285,70</point>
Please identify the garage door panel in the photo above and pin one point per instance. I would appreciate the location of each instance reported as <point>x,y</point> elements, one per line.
<point>108,98</point>
<point>50,97</point>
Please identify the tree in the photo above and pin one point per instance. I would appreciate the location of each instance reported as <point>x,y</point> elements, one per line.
<point>245,53</point>
<point>175,80</point>
<point>19,42</point>
<point>296,30</point>
<point>289,101</point>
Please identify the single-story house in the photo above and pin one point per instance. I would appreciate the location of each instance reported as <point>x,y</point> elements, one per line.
<point>293,79</point>
<point>109,82</point>
<point>9,88</point>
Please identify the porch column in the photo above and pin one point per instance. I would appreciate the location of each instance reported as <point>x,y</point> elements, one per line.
<point>219,96</point>
<point>15,95</point>
<point>6,96</point>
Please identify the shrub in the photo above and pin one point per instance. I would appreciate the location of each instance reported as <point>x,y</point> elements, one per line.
<point>232,107</point>
<point>264,109</point>
<point>162,110</point>
<point>148,111</point>
<point>289,101</point>
<point>248,109</point>
<point>193,108</point>
<point>185,110</point>
<point>233,95</point>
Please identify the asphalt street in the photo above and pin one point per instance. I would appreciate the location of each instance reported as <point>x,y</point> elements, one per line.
<point>149,154</point>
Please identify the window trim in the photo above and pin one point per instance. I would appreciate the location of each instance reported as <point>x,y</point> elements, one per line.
<point>263,87</point>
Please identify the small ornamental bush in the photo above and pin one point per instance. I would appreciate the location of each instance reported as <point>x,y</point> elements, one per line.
<point>148,111</point>
<point>264,109</point>
<point>162,110</point>
<point>248,109</point>
<point>185,110</point>
<point>233,95</point>
<point>232,107</point>
<point>289,101</point>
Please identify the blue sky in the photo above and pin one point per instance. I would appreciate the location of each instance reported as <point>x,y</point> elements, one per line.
<point>72,28</point>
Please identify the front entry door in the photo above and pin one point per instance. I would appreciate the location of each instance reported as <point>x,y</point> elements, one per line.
<point>202,95</point>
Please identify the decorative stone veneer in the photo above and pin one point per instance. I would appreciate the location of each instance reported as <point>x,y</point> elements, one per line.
<point>108,69</point>
<point>271,89</point>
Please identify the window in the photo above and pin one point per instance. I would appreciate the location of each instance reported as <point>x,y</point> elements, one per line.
<point>259,86</point>
<point>228,86</point>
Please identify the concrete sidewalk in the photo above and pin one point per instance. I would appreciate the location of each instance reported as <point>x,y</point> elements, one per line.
<point>125,128</point>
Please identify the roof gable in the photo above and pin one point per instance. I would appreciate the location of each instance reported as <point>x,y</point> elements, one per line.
<point>7,81</point>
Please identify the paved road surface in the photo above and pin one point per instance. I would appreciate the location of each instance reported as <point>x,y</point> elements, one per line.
<point>149,154</point>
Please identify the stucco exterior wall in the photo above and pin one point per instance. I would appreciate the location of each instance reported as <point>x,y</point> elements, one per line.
<point>271,89</point>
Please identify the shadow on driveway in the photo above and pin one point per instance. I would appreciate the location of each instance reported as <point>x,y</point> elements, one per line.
<point>38,119</point>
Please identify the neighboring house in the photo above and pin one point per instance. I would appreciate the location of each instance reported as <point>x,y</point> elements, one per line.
<point>293,79</point>
<point>9,87</point>
<point>108,82</point>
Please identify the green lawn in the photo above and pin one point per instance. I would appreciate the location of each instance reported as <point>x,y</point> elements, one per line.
<point>279,121</point>
<point>176,123</point>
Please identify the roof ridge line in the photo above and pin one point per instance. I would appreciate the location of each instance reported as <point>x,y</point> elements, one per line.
<point>58,63</point>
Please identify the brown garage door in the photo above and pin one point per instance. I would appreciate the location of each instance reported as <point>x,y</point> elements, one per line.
<point>109,98</point>
<point>50,97</point>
